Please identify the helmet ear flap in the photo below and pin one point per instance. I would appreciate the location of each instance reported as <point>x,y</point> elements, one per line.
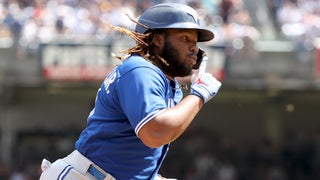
<point>200,56</point>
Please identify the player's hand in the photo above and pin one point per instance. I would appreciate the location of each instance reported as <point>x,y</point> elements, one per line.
<point>204,85</point>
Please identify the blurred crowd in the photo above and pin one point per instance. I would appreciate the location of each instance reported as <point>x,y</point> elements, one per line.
<point>34,21</point>
<point>26,23</point>
<point>30,22</point>
<point>299,22</point>
<point>298,18</point>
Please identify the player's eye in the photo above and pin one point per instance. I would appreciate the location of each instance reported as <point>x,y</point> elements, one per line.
<point>184,38</point>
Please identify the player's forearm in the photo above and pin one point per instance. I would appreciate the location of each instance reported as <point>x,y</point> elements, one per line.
<point>181,115</point>
<point>171,123</point>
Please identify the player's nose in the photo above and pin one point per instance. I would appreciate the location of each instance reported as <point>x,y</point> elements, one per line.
<point>194,49</point>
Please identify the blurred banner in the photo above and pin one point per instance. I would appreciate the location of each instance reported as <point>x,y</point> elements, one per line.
<point>75,62</point>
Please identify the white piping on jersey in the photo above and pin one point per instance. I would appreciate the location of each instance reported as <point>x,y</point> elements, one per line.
<point>170,102</point>
<point>147,119</point>
<point>152,115</point>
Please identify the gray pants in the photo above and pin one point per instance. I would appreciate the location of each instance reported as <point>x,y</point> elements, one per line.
<point>74,166</point>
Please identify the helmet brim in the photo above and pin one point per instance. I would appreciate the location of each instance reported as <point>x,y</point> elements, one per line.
<point>203,34</point>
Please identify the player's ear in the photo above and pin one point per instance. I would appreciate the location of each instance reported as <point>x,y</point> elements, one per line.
<point>158,40</point>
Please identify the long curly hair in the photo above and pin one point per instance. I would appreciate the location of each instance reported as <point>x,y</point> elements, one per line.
<point>144,46</point>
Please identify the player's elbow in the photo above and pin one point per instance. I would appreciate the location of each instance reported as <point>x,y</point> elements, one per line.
<point>153,143</point>
<point>154,138</point>
<point>158,132</point>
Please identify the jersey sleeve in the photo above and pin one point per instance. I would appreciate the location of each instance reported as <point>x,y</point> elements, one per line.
<point>142,95</point>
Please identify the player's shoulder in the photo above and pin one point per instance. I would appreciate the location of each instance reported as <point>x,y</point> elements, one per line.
<point>136,61</point>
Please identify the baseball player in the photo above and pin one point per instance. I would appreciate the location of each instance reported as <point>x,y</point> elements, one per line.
<point>139,108</point>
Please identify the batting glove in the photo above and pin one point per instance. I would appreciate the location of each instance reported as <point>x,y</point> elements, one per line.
<point>205,86</point>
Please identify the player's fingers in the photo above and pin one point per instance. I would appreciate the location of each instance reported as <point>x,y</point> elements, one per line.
<point>203,65</point>
<point>194,77</point>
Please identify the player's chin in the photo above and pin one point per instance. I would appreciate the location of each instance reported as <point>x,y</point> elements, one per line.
<point>182,70</point>
<point>186,72</point>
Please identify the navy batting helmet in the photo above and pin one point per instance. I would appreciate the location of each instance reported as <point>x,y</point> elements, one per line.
<point>172,16</point>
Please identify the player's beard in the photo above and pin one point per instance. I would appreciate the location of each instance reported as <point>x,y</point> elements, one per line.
<point>176,68</point>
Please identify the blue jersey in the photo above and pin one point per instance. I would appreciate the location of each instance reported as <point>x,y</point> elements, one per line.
<point>132,94</point>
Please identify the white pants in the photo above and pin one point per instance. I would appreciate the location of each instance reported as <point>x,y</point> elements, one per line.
<point>73,167</point>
